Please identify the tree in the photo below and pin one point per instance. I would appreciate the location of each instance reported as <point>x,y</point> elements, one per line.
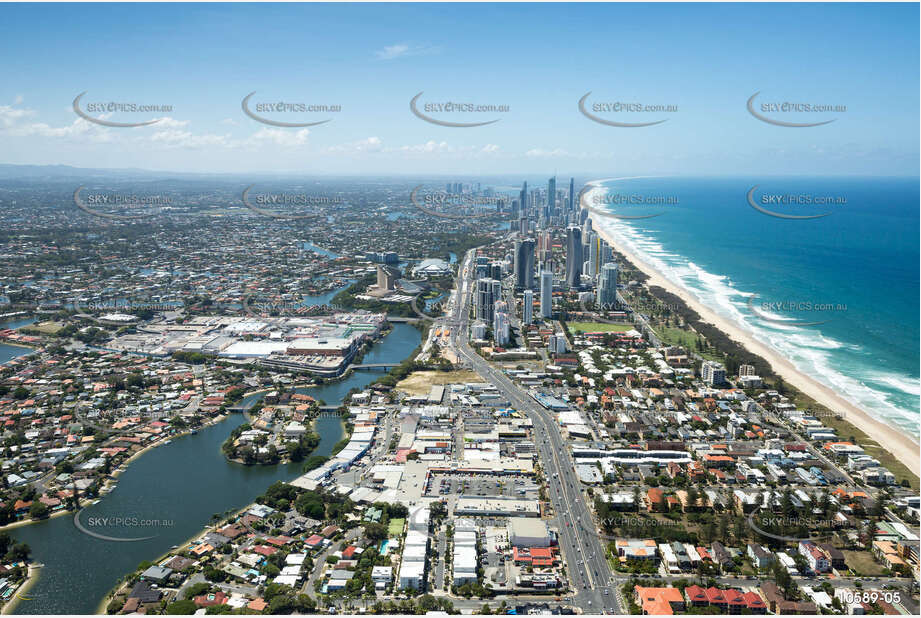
<point>19,553</point>
<point>197,589</point>
<point>38,510</point>
<point>376,532</point>
<point>114,606</point>
<point>183,608</point>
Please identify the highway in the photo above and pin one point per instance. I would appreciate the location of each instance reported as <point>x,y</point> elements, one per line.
<point>583,552</point>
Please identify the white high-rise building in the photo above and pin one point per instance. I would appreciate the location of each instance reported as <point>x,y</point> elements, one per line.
<point>556,344</point>
<point>546,294</point>
<point>501,327</point>
<point>713,373</point>
<point>606,254</point>
<point>594,245</point>
<point>527,307</point>
<point>607,287</point>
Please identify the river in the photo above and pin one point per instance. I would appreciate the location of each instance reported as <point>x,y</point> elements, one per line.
<point>176,488</point>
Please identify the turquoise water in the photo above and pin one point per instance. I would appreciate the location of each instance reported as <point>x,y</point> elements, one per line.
<point>859,264</point>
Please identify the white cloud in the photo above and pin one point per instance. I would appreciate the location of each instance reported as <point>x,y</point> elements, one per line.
<point>176,138</point>
<point>428,147</point>
<point>279,137</point>
<point>369,144</point>
<point>15,121</point>
<point>167,122</point>
<point>402,50</point>
<point>539,153</point>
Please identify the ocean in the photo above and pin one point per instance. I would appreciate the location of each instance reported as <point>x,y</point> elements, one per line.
<point>836,295</point>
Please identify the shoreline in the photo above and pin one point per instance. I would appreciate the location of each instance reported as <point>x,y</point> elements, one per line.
<point>898,443</point>
<point>31,578</point>
<point>28,522</point>
<point>25,346</point>
<point>103,604</point>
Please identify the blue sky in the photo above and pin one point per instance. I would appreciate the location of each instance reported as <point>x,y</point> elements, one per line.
<point>538,59</point>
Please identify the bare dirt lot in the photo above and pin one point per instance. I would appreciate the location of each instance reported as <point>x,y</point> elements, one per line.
<point>421,382</point>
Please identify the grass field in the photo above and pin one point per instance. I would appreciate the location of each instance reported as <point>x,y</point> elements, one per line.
<point>862,563</point>
<point>396,527</point>
<point>598,327</point>
<point>49,328</point>
<point>421,382</point>
<point>685,339</point>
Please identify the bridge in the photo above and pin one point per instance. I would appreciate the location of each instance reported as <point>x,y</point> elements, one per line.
<point>375,366</point>
<point>399,319</point>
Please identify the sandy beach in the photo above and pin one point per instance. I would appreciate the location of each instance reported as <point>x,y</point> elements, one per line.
<point>21,592</point>
<point>900,444</point>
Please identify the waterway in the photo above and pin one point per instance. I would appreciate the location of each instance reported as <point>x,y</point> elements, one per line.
<point>308,246</point>
<point>175,488</point>
<point>9,352</point>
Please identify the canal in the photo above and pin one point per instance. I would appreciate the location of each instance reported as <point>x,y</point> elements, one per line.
<point>172,491</point>
<point>9,352</point>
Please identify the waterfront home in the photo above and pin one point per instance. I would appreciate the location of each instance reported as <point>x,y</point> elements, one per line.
<point>156,574</point>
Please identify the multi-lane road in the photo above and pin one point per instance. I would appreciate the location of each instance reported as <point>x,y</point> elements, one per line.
<point>583,552</point>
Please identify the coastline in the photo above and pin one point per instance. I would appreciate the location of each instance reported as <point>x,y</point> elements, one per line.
<point>899,444</point>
